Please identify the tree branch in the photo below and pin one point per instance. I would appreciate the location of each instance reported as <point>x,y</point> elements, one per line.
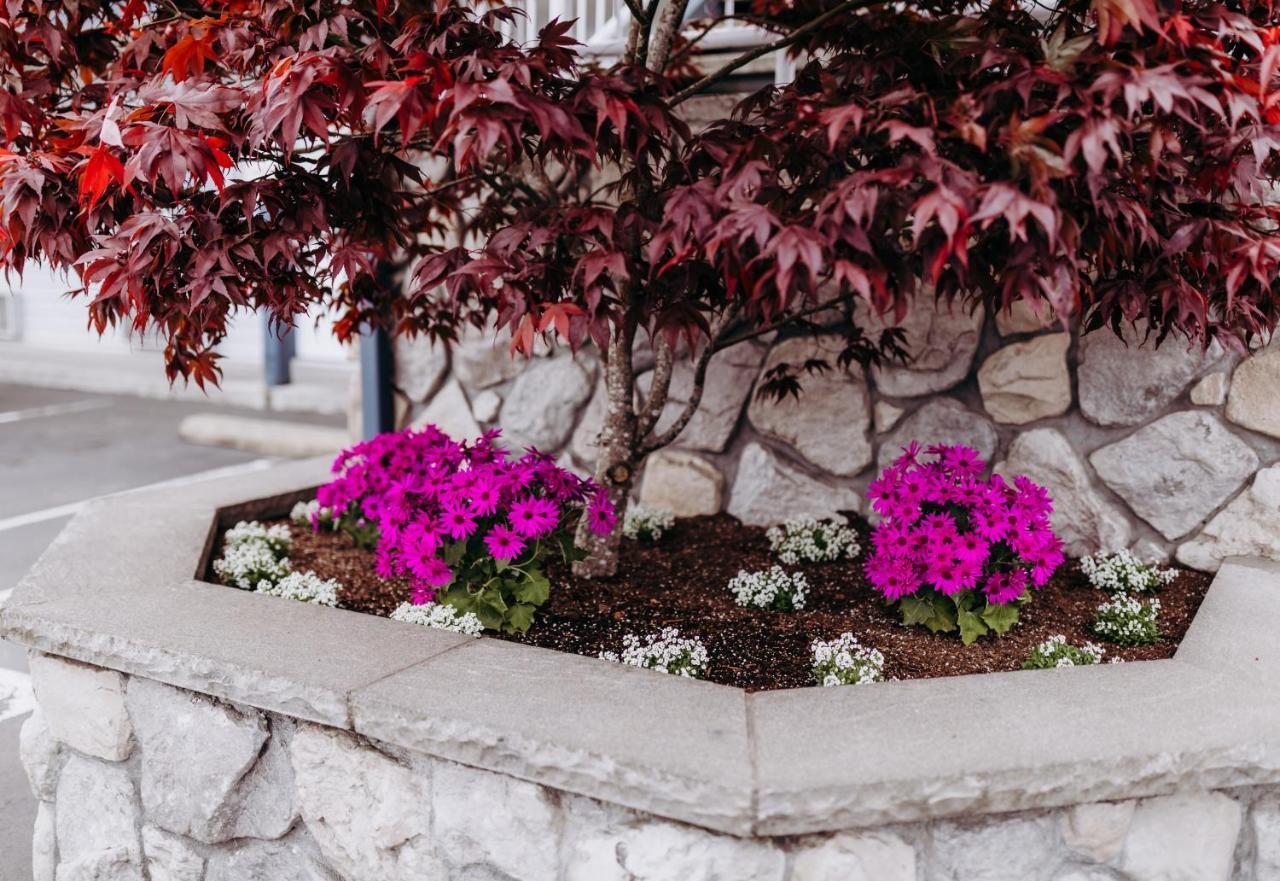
<point>637,11</point>
<point>695,394</point>
<point>659,387</point>
<point>790,319</point>
<point>747,57</point>
<point>664,36</point>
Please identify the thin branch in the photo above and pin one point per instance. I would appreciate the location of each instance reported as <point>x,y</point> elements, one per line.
<point>695,394</point>
<point>747,57</point>
<point>692,44</point>
<point>790,319</point>
<point>659,388</point>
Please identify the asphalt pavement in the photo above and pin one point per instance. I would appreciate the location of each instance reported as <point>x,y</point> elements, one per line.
<point>58,450</point>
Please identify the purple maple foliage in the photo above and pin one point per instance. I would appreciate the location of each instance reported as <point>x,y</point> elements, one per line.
<point>1111,158</point>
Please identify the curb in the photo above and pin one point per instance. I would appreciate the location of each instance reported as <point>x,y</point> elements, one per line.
<point>272,437</point>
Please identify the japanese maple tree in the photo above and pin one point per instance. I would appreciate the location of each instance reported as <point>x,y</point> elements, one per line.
<point>1111,158</point>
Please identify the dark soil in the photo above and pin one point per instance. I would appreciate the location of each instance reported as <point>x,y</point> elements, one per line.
<point>681,582</point>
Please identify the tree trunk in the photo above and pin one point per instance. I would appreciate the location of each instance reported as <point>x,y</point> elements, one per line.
<point>616,463</point>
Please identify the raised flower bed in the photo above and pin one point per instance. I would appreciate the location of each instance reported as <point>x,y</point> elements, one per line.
<point>216,734</point>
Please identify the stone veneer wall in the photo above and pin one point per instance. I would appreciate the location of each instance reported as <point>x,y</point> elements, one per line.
<point>1169,451</point>
<point>139,780</point>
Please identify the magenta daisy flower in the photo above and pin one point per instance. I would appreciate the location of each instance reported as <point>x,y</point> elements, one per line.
<point>600,515</point>
<point>533,517</point>
<point>436,573</point>
<point>485,496</point>
<point>458,522</point>
<point>504,544</point>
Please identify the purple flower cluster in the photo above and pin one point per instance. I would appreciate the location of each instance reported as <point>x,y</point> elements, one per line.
<point>438,504</point>
<point>947,529</point>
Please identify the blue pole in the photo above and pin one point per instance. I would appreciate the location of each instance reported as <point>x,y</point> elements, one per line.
<point>377,407</point>
<point>278,351</point>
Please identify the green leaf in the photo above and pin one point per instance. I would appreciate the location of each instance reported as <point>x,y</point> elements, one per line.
<point>933,610</point>
<point>971,626</point>
<point>453,552</point>
<point>534,589</point>
<point>491,598</point>
<point>460,599</point>
<point>944,615</point>
<point>1000,618</point>
<point>915,610</point>
<point>519,617</point>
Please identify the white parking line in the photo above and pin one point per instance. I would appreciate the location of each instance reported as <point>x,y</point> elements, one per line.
<point>67,510</point>
<point>53,410</point>
<point>16,697</point>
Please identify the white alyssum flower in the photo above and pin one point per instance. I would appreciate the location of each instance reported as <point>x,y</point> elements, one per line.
<point>311,514</point>
<point>805,539</point>
<point>845,661</point>
<point>1057,652</point>
<point>247,564</point>
<point>1122,572</point>
<point>666,652</point>
<point>774,589</point>
<point>277,537</point>
<point>441,616</point>
<point>1128,621</point>
<point>647,524</point>
<point>305,587</point>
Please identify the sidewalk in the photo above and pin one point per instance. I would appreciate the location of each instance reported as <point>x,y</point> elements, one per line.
<point>317,387</point>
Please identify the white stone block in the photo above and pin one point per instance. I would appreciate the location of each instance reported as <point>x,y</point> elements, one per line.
<point>486,822</point>
<point>40,755</point>
<point>1027,381</point>
<point>170,857</point>
<point>869,856</point>
<point>828,423</point>
<point>662,851</point>
<point>767,491</point>
<point>83,706</point>
<point>1018,849</point>
<point>289,859</point>
<point>684,483</point>
<point>197,759</point>
<point>1265,820</point>
<point>1097,831</point>
<point>369,814</point>
<point>1189,836</point>
<point>97,823</point>
<point>44,845</point>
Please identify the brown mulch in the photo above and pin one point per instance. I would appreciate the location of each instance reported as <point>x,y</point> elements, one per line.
<point>681,582</point>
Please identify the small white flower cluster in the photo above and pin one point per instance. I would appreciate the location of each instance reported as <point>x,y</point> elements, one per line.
<point>666,652</point>
<point>804,539</point>
<point>774,589</point>
<point>647,524</point>
<point>277,537</point>
<point>251,556</point>
<point>1128,621</point>
<point>255,557</point>
<point>441,616</point>
<point>1122,572</point>
<point>305,587</point>
<point>845,661</point>
<point>310,514</point>
<point>1057,652</point>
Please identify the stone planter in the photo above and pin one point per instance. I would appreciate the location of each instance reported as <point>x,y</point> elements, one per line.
<point>190,731</point>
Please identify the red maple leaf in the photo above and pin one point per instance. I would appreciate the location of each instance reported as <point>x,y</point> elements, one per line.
<point>187,57</point>
<point>102,168</point>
